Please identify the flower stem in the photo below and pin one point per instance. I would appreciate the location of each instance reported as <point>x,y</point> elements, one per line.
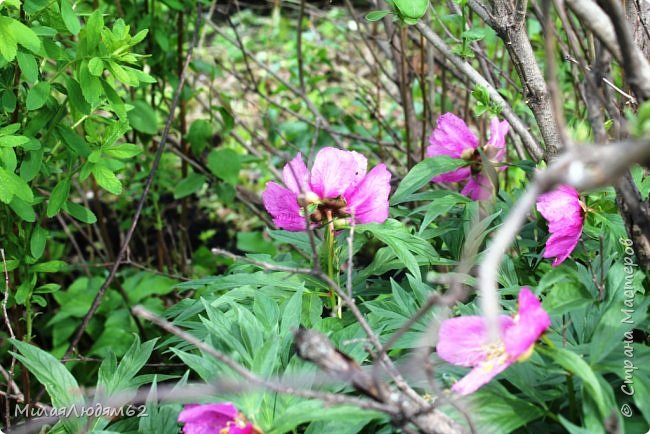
<point>330,261</point>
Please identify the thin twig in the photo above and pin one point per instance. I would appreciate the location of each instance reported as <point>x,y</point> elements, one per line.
<point>147,186</point>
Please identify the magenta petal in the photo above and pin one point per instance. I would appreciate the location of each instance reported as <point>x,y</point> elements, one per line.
<point>368,201</point>
<point>246,429</point>
<point>451,137</point>
<point>335,171</point>
<point>296,176</point>
<point>206,418</point>
<point>480,375</point>
<point>478,187</point>
<point>455,176</point>
<point>495,148</point>
<point>529,324</point>
<point>462,340</point>
<point>282,204</point>
<point>563,211</point>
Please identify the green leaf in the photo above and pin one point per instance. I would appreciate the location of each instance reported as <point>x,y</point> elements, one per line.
<point>189,185</point>
<point>91,86</point>
<point>475,33</point>
<point>8,44</point>
<point>74,141</point>
<point>37,95</point>
<point>93,29</point>
<point>106,179</point>
<point>13,141</point>
<point>58,197</point>
<point>75,95</point>
<point>79,212</point>
<point>59,383</point>
<point>225,164</point>
<point>28,66</point>
<point>48,267</point>
<point>37,242</point>
<point>404,244</point>
<point>421,174</point>
<point>376,15</point>
<point>199,135</point>
<point>22,34</point>
<point>501,411</point>
<point>23,210</point>
<point>13,185</point>
<point>122,74</point>
<point>143,118</point>
<point>413,9</point>
<point>31,164</point>
<point>122,151</point>
<point>70,18</point>
<point>578,367</point>
<point>96,66</point>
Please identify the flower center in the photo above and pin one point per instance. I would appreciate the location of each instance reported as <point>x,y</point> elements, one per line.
<point>495,355</point>
<point>326,207</point>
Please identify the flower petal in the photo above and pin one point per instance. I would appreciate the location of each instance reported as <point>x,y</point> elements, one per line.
<point>462,340</point>
<point>563,211</point>
<point>296,176</point>
<point>368,201</point>
<point>282,204</point>
<point>479,187</point>
<point>529,324</point>
<point>335,171</point>
<point>455,176</point>
<point>495,148</point>
<point>451,137</point>
<point>480,375</point>
<point>206,418</point>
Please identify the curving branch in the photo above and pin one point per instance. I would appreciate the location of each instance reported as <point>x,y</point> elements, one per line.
<point>583,167</point>
<point>475,77</point>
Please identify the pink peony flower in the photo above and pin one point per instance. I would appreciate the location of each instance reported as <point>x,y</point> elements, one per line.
<point>222,418</point>
<point>464,341</point>
<point>454,139</point>
<point>337,186</point>
<point>565,214</point>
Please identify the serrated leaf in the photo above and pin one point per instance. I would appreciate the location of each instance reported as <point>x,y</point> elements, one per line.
<point>106,179</point>
<point>122,151</point>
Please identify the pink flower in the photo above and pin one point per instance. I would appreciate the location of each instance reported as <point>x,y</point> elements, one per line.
<point>454,139</point>
<point>565,214</point>
<point>464,341</point>
<point>222,418</point>
<point>337,187</point>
